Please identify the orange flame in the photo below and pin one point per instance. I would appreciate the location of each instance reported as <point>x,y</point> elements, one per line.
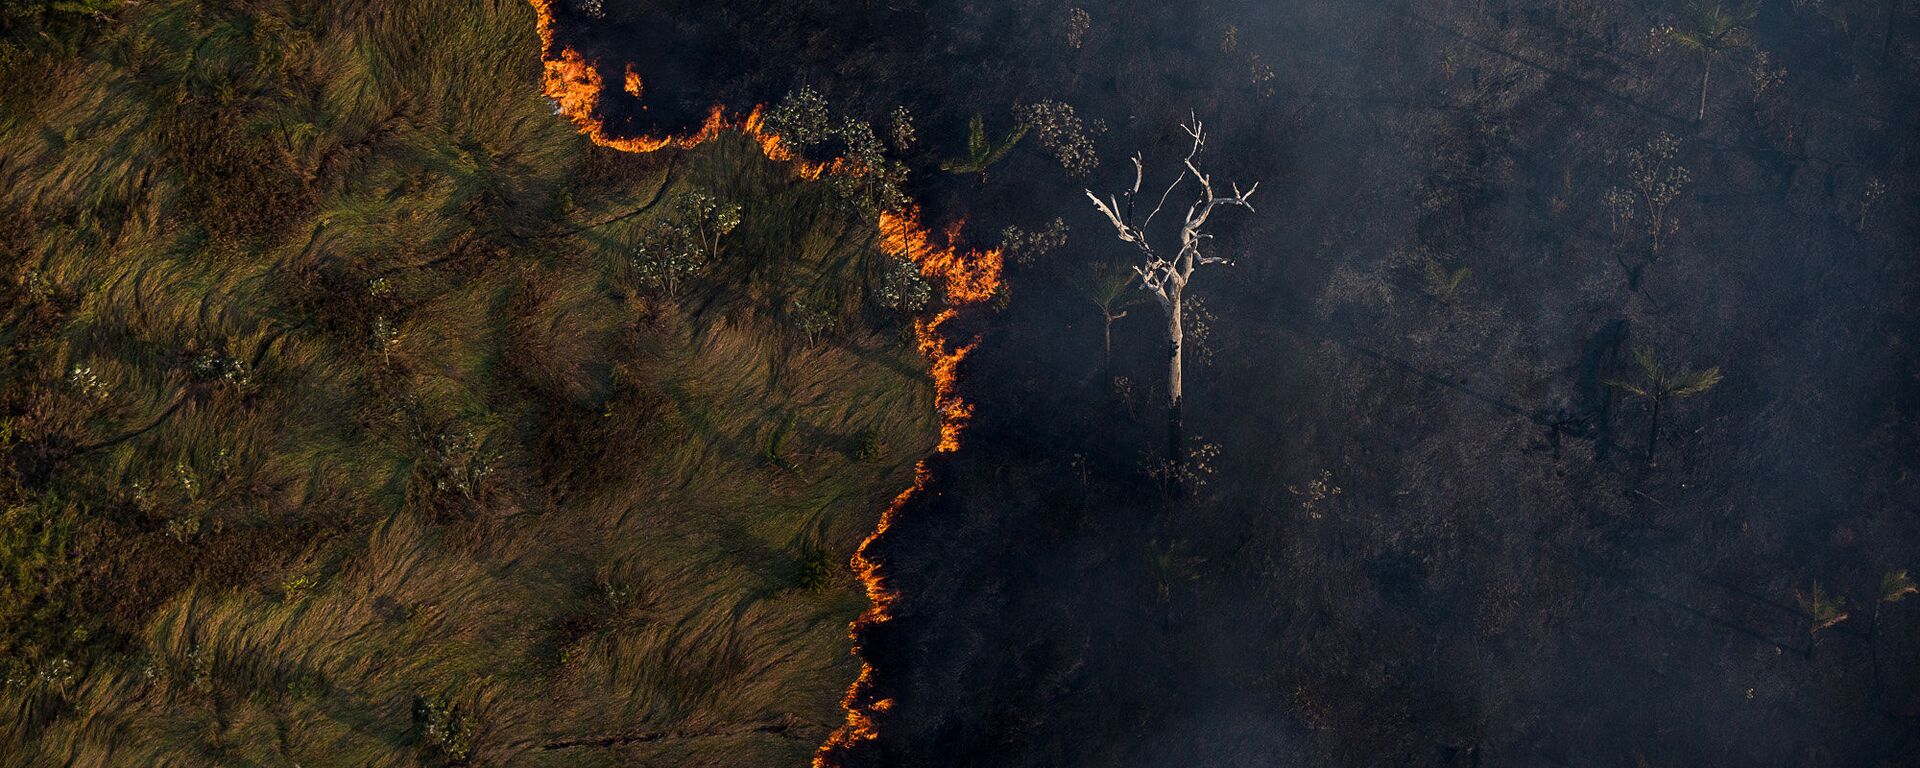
<point>576,87</point>
<point>634,87</point>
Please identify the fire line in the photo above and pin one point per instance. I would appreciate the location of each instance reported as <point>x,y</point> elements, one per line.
<point>576,86</point>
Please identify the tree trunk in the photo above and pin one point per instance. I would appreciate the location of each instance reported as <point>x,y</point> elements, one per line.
<point>1706,74</point>
<point>1176,334</point>
<point>1106,352</point>
<point>1653,430</point>
<point>1873,651</point>
<point>1886,44</point>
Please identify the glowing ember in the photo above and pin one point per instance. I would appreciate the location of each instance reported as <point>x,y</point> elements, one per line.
<point>577,86</point>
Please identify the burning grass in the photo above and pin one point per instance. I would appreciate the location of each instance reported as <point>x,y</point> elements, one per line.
<point>409,469</point>
<point>576,86</point>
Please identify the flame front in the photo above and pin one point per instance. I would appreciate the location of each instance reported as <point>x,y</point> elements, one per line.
<point>576,87</point>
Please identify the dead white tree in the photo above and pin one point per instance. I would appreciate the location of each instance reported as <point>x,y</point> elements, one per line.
<point>1165,272</point>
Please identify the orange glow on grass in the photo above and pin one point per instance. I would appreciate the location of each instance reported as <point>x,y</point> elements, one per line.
<point>576,87</point>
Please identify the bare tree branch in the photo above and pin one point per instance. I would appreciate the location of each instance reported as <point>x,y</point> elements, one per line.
<point>1166,278</point>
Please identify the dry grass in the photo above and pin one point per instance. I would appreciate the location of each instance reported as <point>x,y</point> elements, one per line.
<point>582,517</point>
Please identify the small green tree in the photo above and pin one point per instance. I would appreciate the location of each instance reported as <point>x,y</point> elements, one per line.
<point>880,184</point>
<point>901,288</point>
<point>1710,28</point>
<point>670,254</point>
<point>1112,290</point>
<point>802,118</point>
<point>1659,383</point>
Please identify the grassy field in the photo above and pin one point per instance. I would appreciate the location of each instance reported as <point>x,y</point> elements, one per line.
<point>343,432</point>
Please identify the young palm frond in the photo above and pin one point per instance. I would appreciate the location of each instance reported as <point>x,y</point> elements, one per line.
<point>1445,283</point>
<point>1896,585</point>
<point>1711,27</point>
<point>982,152</point>
<point>1659,382</point>
<point>1823,610</point>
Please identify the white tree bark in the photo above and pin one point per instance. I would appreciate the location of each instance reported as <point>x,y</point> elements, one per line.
<point>1163,275</point>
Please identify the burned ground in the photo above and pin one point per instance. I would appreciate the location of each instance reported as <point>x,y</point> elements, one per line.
<point>1436,524</point>
<point>1434,534</point>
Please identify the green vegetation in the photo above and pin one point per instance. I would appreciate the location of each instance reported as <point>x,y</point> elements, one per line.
<point>983,152</point>
<point>343,432</point>
<point>1444,283</point>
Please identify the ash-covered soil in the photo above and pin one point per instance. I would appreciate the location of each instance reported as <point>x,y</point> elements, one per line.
<point>1442,526</point>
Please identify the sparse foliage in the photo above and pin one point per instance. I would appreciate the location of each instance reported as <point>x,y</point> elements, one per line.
<point>460,463</point>
<point>89,384</point>
<point>1764,74</point>
<point>1024,247</point>
<point>812,321</point>
<point>1655,182</point>
<point>1870,197</point>
<point>1061,131</point>
<point>215,366</point>
<point>387,337</point>
<point>444,727</point>
<point>672,253</point>
<point>1187,472</point>
<point>879,186</point>
<point>1078,24</point>
<point>1318,492</point>
<point>901,129</point>
<point>1199,327</point>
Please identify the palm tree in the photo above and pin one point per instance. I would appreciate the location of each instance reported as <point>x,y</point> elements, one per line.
<point>1112,289</point>
<point>1710,27</point>
<point>1658,384</point>
<point>1895,586</point>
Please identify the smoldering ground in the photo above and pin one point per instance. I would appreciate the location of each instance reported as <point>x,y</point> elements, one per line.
<point>1442,527</point>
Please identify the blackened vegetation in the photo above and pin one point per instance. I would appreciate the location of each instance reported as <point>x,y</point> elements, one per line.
<point>1440,529</point>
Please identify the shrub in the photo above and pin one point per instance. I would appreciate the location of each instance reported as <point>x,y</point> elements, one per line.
<point>444,728</point>
<point>815,570</point>
<point>670,255</point>
<point>902,288</point>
